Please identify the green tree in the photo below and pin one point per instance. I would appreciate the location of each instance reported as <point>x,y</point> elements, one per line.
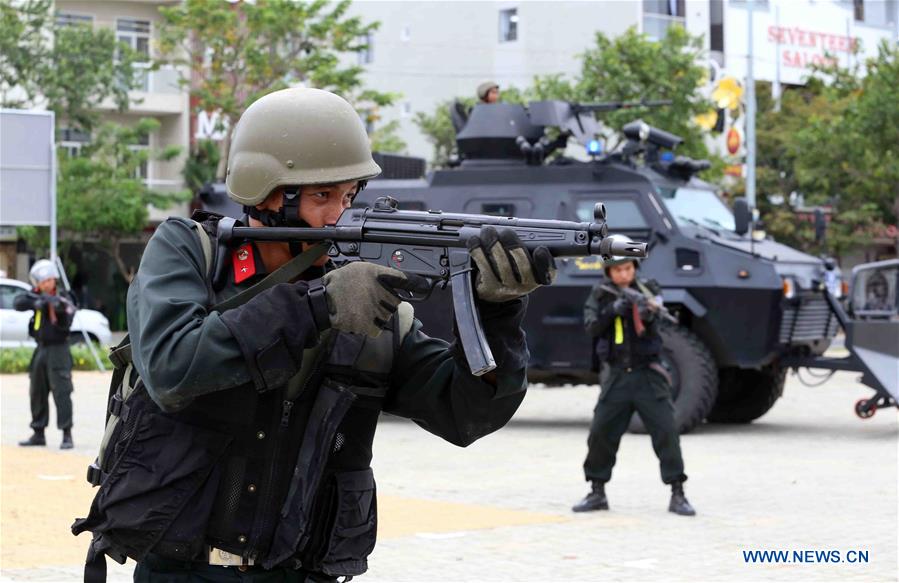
<point>100,197</point>
<point>234,53</point>
<point>835,142</point>
<point>69,69</point>
<point>630,67</point>
<point>201,165</point>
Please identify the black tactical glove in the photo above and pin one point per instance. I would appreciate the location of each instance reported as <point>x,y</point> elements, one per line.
<point>647,311</point>
<point>362,297</point>
<point>506,270</point>
<point>273,329</point>
<point>622,306</point>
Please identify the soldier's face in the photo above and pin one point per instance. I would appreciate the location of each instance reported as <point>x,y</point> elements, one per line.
<point>622,275</point>
<point>48,286</point>
<point>320,204</point>
<point>492,95</point>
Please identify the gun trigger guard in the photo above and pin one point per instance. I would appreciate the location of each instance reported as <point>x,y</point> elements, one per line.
<point>412,298</point>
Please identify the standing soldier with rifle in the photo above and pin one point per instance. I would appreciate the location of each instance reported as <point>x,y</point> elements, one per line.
<point>624,318</point>
<point>247,440</point>
<point>50,370</point>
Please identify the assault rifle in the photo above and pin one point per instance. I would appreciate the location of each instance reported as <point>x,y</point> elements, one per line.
<point>433,244</point>
<point>641,301</point>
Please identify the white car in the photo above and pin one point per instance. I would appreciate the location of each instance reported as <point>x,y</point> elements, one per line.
<point>14,324</point>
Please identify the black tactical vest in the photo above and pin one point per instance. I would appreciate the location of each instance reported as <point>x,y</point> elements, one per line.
<point>634,350</point>
<point>281,477</point>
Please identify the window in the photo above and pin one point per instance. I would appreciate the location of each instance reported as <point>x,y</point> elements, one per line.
<point>72,140</point>
<point>136,34</point>
<point>407,108</point>
<point>874,291</point>
<point>660,15</point>
<point>8,295</point>
<point>696,207</point>
<point>367,55</point>
<point>716,30</point>
<point>142,171</point>
<point>406,34</point>
<point>880,13</point>
<point>621,213</point>
<point>64,19</point>
<point>498,209</point>
<point>508,25</point>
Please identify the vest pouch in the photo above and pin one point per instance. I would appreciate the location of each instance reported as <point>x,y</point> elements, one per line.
<point>164,465</point>
<point>292,532</point>
<point>355,524</point>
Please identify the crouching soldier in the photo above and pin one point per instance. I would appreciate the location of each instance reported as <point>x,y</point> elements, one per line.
<point>247,441</point>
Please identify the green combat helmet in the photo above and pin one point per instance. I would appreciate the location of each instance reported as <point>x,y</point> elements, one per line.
<point>294,137</point>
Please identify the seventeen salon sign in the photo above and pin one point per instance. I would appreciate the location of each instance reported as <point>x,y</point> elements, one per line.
<point>800,47</point>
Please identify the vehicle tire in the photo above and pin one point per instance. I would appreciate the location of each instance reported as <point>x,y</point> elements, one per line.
<point>694,378</point>
<point>746,394</point>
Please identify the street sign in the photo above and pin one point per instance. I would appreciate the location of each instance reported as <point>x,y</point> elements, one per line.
<point>28,170</point>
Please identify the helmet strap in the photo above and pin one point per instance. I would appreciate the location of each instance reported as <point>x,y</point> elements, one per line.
<point>287,216</point>
<point>289,213</point>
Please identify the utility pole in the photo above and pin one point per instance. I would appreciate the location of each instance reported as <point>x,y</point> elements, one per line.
<point>750,110</point>
<point>775,87</point>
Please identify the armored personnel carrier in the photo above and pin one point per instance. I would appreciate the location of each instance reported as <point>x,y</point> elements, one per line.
<point>747,309</point>
<point>743,305</point>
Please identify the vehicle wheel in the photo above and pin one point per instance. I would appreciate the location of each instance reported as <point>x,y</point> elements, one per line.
<point>694,378</point>
<point>863,411</point>
<point>745,394</point>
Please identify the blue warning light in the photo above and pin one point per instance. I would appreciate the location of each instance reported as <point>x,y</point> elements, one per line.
<point>594,147</point>
<point>667,157</point>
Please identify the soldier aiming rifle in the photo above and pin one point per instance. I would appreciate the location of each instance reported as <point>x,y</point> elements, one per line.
<point>624,318</point>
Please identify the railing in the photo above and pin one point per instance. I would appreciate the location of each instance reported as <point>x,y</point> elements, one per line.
<point>164,80</point>
<point>657,25</point>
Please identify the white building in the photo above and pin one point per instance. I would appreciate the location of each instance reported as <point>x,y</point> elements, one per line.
<point>160,97</point>
<point>433,51</point>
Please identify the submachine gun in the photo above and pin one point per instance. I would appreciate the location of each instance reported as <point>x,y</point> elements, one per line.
<point>433,244</point>
<point>640,300</point>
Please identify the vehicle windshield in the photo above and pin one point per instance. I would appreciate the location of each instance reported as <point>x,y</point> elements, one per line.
<point>697,206</point>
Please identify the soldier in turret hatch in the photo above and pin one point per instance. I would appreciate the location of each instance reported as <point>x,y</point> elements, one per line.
<point>488,92</point>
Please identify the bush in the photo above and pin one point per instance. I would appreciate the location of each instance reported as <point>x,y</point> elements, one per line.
<point>16,360</point>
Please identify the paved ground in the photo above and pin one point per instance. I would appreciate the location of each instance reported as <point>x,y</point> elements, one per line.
<point>808,476</point>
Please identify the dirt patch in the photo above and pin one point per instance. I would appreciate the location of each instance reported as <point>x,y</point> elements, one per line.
<point>43,491</point>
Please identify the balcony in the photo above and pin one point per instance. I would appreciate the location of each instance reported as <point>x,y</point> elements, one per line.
<point>656,25</point>
<point>158,92</point>
<point>165,80</point>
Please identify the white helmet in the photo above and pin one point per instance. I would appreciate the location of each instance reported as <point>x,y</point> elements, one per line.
<point>41,270</point>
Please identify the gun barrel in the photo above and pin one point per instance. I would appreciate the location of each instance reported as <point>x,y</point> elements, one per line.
<point>383,224</point>
<point>621,246</point>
